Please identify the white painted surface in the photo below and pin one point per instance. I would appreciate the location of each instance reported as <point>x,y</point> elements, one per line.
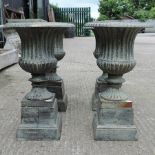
<point>8,58</point>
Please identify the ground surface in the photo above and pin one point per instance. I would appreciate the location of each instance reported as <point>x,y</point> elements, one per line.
<point>79,71</point>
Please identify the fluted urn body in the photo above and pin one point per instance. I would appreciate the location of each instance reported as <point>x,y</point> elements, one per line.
<point>117,59</point>
<point>36,59</point>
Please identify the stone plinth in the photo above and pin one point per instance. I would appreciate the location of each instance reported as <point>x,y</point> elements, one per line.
<point>40,120</point>
<point>114,121</point>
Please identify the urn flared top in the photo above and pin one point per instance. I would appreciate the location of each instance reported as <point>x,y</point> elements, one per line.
<point>118,24</point>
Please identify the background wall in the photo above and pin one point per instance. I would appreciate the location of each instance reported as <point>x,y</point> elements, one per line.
<point>14,3</point>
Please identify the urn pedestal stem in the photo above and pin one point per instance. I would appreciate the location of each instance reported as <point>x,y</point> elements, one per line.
<point>55,82</point>
<point>101,83</point>
<point>114,119</point>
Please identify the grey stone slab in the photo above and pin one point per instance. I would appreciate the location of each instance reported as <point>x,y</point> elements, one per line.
<point>113,132</point>
<point>41,131</point>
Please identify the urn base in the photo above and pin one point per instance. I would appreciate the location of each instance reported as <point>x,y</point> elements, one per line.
<point>57,87</point>
<point>114,121</point>
<point>40,120</point>
<point>100,86</point>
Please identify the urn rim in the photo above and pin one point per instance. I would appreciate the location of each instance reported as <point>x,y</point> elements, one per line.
<point>118,24</point>
<point>38,25</point>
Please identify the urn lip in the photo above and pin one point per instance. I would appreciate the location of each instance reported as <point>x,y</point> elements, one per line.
<point>25,20</point>
<point>37,25</point>
<point>119,24</point>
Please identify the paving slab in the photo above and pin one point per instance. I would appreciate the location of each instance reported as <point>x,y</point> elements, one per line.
<point>80,71</point>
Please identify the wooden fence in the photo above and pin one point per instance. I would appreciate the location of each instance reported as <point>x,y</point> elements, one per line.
<point>77,16</point>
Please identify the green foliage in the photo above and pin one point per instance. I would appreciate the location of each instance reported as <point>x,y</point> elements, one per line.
<point>141,14</point>
<point>115,9</point>
<point>144,14</point>
<point>143,4</point>
<point>102,17</point>
<point>152,13</point>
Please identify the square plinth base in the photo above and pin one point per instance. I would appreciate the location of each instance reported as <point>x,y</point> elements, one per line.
<point>113,132</point>
<point>40,120</point>
<point>114,121</point>
<point>57,87</point>
<point>40,132</point>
